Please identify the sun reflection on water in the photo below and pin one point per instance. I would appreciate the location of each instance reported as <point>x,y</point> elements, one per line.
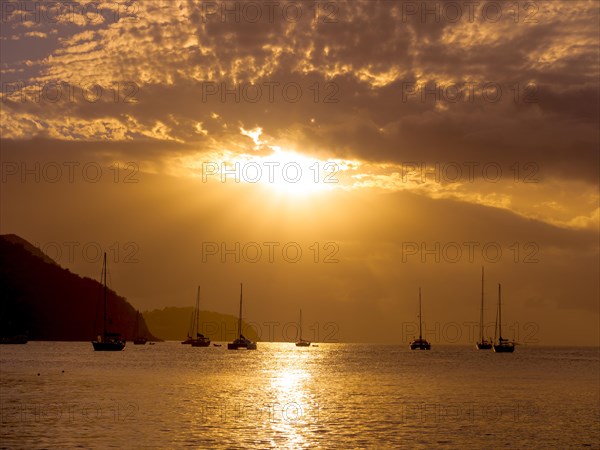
<point>291,384</point>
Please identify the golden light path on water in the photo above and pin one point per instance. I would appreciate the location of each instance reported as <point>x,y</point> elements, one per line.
<point>289,386</point>
<point>269,395</point>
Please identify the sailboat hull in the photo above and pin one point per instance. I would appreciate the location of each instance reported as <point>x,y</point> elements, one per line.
<point>483,346</point>
<point>504,348</point>
<point>114,346</point>
<point>237,344</point>
<point>201,343</point>
<point>302,344</point>
<point>420,345</point>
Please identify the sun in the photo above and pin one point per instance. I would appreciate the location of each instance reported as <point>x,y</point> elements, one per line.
<point>280,171</point>
<point>291,173</point>
<point>283,172</point>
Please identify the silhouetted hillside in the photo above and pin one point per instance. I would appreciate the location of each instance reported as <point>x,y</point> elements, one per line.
<point>41,299</point>
<point>172,324</point>
<point>35,251</point>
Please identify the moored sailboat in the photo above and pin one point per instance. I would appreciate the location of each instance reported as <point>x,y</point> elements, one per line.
<point>189,338</point>
<point>138,340</point>
<point>483,344</point>
<point>503,345</point>
<point>420,343</point>
<point>109,341</point>
<point>200,340</point>
<point>241,341</point>
<point>301,342</point>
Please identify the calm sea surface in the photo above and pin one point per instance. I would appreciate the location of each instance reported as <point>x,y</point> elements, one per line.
<point>333,396</point>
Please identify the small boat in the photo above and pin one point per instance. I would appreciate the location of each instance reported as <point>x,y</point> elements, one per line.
<point>241,341</point>
<point>301,342</point>
<point>503,345</point>
<point>420,343</point>
<point>217,345</point>
<point>138,340</point>
<point>200,340</point>
<point>17,339</point>
<point>108,342</point>
<point>151,343</point>
<point>315,345</point>
<point>482,344</point>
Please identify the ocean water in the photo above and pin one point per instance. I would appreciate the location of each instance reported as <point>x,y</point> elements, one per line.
<point>168,395</point>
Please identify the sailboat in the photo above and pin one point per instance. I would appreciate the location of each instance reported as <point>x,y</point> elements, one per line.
<point>301,342</point>
<point>200,340</point>
<point>503,345</point>
<point>421,343</point>
<point>189,339</point>
<point>482,344</point>
<point>241,341</point>
<point>138,340</point>
<point>108,342</point>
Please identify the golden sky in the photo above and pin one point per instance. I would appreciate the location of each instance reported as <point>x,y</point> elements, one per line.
<point>395,144</point>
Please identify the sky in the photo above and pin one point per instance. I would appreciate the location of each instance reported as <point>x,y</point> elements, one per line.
<point>333,156</point>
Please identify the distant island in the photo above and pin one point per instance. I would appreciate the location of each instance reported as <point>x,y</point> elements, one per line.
<point>172,323</point>
<point>44,301</point>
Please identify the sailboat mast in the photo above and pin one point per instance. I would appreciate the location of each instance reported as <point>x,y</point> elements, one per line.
<point>240,316</point>
<point>300,324</point>
<point>420,334</point>
<point>198,311</point>
<point>104,321</point>
<point>481,314</point>
<point>500,311</point>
